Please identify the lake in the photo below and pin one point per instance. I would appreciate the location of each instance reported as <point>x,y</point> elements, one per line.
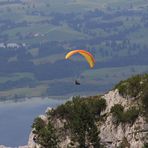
<point>16,119</point>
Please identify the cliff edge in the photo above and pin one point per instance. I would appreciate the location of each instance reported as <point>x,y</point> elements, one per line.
<point>115,119</point>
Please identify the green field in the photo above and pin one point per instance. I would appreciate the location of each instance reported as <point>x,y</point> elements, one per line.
<point>16,76</point>
<point>109,29</point>
<point>113,75</point>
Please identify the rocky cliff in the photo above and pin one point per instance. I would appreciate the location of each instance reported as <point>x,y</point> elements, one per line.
<point>131,135</point>
<point>117,119</point>
<point>112,135</point>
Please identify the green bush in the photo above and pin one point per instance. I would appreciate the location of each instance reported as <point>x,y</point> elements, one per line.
<point>117,111</point>
<point>131,87</point>
<point>124,116</point>
<point>145,145</point>
<point>137,87</point>
<point>80,114</point>
<point>95,106</point>
<point>134,87</point>
<point>45,135</point>
<point>130,115</point>
<point>38,124</point>
<point>123,89</point>
<point>64,110</point>
<point>145,98</point>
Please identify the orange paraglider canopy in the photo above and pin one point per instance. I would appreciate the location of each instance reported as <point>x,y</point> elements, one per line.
<point>87,55</point>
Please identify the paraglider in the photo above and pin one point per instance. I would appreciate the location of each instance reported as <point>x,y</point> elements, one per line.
<point>76,82</point>
<point>87,55</point>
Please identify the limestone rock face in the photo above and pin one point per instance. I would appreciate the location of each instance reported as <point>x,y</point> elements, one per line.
<point>31,142</point>
<point>59,125</point>
<point>23,146</point>
<point>112,135</point>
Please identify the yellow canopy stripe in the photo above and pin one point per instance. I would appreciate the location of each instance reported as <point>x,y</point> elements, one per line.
<point>87,55</point>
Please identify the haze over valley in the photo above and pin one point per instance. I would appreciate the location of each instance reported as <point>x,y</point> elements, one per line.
<point>35,36</point>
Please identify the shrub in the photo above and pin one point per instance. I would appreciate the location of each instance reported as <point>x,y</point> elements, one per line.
<point>117,111</point>
<point>38,124</point>
<point>130,87</point>
<point>124,116</point>
<point>96,105</point>
<point>45,135</point>
<point>80,114</point>
<point>123,89</point>
<point>145,98</point>
<point>137,87</point>
<point>134,86</point>
<point>145,145</point>
<point>130,115</point>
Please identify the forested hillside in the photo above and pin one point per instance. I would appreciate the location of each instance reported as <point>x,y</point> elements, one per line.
<point>35,36</point>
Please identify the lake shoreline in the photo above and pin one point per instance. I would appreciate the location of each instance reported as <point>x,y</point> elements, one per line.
<point>17,119</point>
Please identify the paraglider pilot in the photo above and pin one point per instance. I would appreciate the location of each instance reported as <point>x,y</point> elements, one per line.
<point>77,83</point>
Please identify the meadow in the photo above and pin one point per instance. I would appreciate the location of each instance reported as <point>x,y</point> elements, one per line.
<point>115,32</point>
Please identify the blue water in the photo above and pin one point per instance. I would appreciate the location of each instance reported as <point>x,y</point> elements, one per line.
<point>16,119</point>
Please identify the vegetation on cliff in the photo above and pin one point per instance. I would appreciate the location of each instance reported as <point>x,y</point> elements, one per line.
<point>45,133</point>
<point>81,118</point>
<point>129,115</point>
<point>135,87</point>
<point>80,115</point>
